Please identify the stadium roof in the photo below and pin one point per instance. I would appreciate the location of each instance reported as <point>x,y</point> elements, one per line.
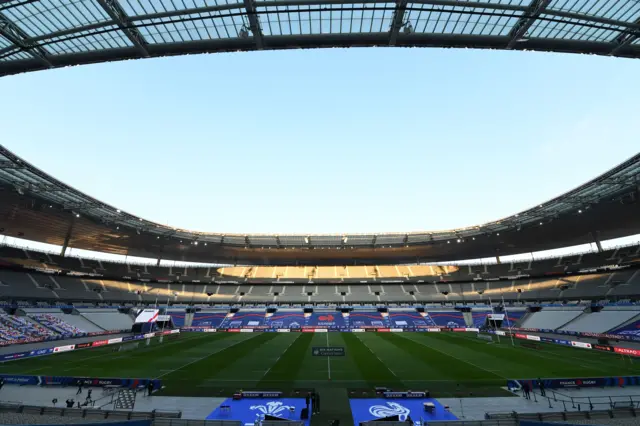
<point>42,34</point>
<point>36,206</point>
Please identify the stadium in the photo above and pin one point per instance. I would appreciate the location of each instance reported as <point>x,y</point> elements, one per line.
<point>109,316</point>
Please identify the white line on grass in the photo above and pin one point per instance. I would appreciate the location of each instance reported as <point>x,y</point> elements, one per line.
<point>206,356</point>
<point>274,363</point>
<point>328,358</point>
<point>376,355</point>
<point>453,356</point>
<point>125,355</point>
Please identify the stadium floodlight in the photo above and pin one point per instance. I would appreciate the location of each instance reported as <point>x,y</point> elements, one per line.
<point>459,240</point>
<point>497,234</point>
<point>473,238</point>
<point>118,210</point>
<point>540,223</point>
<point>205,244</point>
<point>195,243</point>
<point>580,211</point>
<point>448,242</point>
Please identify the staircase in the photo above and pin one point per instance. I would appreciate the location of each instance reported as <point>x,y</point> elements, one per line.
<point>126,400</point>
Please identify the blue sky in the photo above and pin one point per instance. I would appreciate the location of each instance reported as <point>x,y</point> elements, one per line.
<point>357,140</point>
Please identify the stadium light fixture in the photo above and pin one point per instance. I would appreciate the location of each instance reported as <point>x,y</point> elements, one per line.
<point>540,223</point>
<point>448,242</point>
<point>205,244</point>
<point>459,240</point>
<point>473,238</point>
<point>77,214</point>
<point>195,243</point>
<point>118,210</point>
<point>497,234</point>
<point>117,227</point>
<point>579,211</point>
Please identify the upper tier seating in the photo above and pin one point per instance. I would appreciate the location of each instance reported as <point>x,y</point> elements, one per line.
<point>35,286</point>
<point>381,273</point>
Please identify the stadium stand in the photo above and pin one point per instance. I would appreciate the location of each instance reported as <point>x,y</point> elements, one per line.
<point>302,274</point>
<point>600,321</point>
<point>55,324</point>
<point>631,328</point>
<point>107,319</point>
<point>208,319</point>
<point>22,327</point>
<point>551,319</point>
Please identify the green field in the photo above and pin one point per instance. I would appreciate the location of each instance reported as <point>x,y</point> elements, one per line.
<point>446,364</point>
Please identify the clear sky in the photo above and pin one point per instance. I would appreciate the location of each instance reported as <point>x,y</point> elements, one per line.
<point>335,141</point>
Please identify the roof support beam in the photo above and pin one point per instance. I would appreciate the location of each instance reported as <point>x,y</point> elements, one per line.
<point>6,164</point>
<point>115,11</point>
<point>397,22</point>
<point>254,23</point>
<point>19,38</point>
<point>525,22</point>
<point>625,39</point>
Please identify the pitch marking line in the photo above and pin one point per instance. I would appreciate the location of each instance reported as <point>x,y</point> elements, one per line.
<point>376,355</point>
<point>208,355</point>
<point>278,359</point>
<point>328,359</point>
<point>453,356</point>
<point>595,364</point>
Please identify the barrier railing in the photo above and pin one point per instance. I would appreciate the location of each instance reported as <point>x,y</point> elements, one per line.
<point>588,403</point>
<point>92,413</point>
<point>618,413</point>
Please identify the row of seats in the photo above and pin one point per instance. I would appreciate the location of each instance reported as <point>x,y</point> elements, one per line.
<point>576,319</point>
<point>56,324</point>
<point>572,263</point>
<point>292,318</point>
<point>624,283</point>
<point>19,328</point>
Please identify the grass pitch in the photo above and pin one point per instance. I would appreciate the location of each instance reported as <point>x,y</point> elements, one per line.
<point>447,364</point>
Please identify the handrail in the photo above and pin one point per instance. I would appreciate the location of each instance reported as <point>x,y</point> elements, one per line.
<point>610,401</point>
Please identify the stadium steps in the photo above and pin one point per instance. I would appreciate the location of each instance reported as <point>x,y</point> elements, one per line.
<point>126,400</point>
<point>334,404</point>
<point>522,319</point>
